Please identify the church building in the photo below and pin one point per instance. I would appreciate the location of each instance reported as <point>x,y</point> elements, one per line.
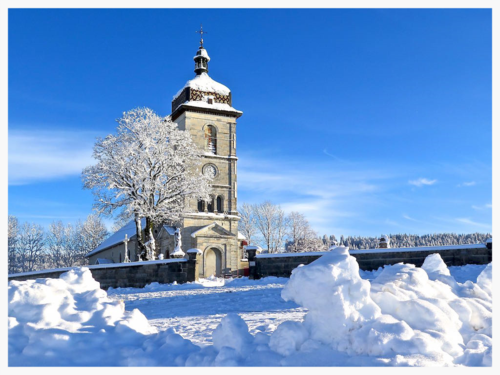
<point>203,107</point>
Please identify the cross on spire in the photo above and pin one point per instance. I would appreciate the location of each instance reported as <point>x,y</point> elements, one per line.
<point>201,32</point>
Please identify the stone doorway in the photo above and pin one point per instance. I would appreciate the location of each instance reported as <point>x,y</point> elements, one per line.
<point>213,262</point>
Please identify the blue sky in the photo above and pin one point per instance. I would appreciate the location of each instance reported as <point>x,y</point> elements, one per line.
<point>367,121</point>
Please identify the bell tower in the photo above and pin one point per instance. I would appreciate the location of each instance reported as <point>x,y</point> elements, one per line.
<point>203,107</point>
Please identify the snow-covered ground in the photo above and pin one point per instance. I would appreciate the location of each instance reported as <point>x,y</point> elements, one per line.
<point>329,313</point>
<point>196,309</point>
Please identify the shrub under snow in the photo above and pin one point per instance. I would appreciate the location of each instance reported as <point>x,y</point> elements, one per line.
<point>405,316</point>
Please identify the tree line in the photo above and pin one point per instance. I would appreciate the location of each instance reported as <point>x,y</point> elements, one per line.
<point>266,224</point>
<point>32,248</point>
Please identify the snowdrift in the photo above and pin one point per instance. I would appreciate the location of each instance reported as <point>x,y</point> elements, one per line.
<point>405,316</point>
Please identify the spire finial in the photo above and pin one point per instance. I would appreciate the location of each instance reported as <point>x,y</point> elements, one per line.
<point>201,32</point>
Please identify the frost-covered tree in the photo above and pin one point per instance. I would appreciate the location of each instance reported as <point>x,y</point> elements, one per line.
<point>13,239</point>
<point>149,169</point>
<point>299,232</point>
<point>272,224</point>
<point>90,234</point>
<point>30,247</point>
<point>247,224</point>
<point>61,244</point>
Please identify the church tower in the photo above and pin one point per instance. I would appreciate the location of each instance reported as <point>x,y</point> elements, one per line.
<point>203,107</point>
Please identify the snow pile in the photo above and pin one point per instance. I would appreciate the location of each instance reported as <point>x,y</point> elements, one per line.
<point>204,83</point>
<point>70,321</point>
<point>408,317</point>
<point>343,315</point>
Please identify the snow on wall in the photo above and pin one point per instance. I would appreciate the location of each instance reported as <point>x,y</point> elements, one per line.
<point>376,251</point>
<point>404,316</point>
<point>99,266</point>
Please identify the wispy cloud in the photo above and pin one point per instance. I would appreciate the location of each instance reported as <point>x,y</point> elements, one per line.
<point>473,223</point>
<point>483,207</point>
<point>43,155</point>
<point>422,181</point>
<point>410,218</point>
<point>334,197</point>
<point>470,183</point>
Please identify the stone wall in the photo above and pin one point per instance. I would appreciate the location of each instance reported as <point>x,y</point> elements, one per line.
<point>135,274</point>
<point>281,265</point>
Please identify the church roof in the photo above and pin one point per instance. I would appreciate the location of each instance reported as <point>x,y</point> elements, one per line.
<point>118,237</point>
<point>204,83</point>
<point>202,94</point>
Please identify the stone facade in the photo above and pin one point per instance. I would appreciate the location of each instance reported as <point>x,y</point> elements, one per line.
<point>222,245</point>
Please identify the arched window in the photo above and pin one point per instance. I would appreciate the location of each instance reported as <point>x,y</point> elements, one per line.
<point>219,204</point>
<point>201,206</point>
<point>211,139</point>
<point>210,204</point>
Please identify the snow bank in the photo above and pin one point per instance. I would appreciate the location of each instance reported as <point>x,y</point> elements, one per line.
<point>405,311</point>
<point>70,321</point>
<point>405,316</point>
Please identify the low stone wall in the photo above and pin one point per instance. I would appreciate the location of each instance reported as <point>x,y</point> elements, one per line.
<point>135,274</point>
<point>281,265</point>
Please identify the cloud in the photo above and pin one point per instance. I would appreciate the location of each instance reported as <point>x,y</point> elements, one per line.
<point>473,223</point>
<point>44,155</point>
<point>410,218</point>
<point>336,199</point>
<point>483,207</point>
<point>470,183</point>
<point>422,181</point>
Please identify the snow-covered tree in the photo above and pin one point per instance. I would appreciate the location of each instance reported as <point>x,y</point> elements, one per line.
<point>247,224</point>
<point>90,234</point>
<point>30,249</point>
<point>149,169</point>
<point>13,239</point>
<point>272,224</point>
<point>299,232</point>
<point>61,244</point>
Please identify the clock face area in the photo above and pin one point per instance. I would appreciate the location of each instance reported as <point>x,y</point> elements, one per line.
<point>210,170</point>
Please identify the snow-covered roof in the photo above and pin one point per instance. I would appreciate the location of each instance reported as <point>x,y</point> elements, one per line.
<point>217,106</point>
<point>489,240</point>
<point>384,238</point>
<point>203,82</point>
<point>118,236</point>
<point>194,250</point>
<point>252,247</point>
<point>170,230</point>
<point>202,52</point>
<point>241,236</point>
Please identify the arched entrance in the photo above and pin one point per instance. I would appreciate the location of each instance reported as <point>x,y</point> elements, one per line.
<point>213,262</point>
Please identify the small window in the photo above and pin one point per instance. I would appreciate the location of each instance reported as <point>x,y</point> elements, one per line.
<point>210,205</point>
<point>219,204</point>
<point>201,206</point>
<point>210,101</point>
<point>211,139</point>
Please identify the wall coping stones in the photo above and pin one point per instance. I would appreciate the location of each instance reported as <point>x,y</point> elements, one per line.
<point>100,266</point>
<point>378,251</point>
